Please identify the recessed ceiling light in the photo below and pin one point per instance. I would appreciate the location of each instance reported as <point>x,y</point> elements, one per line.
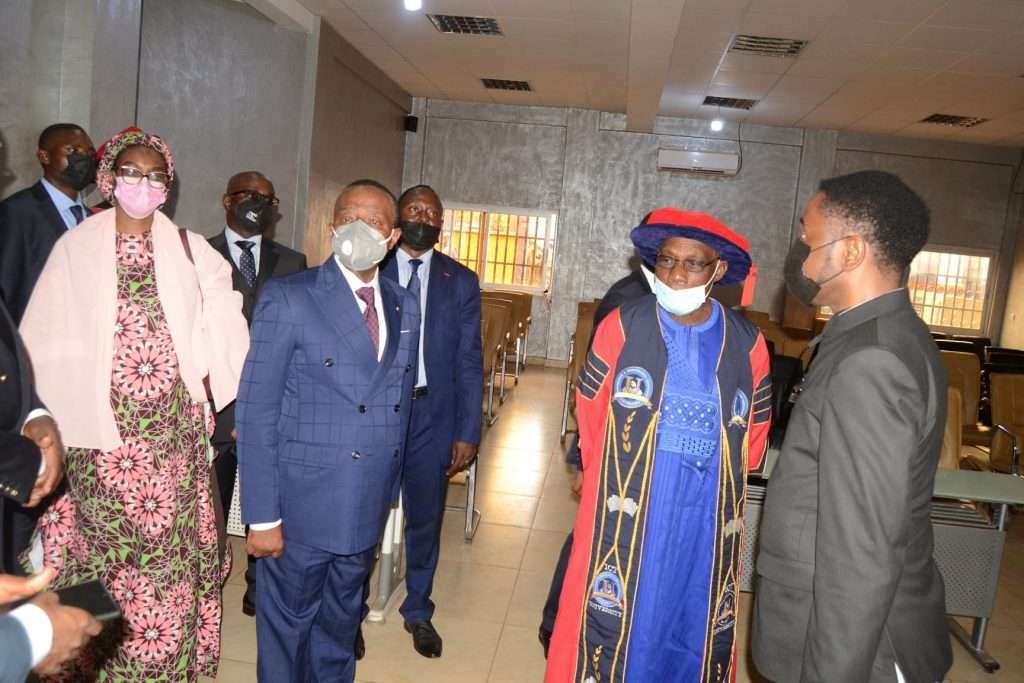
<point>717,125</point>
<point>413,5</point>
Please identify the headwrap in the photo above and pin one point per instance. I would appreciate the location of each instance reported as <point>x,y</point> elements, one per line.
<point>129,137</point>
<point>662,224</point>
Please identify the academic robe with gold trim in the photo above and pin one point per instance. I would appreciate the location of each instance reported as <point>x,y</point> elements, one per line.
<point>619,407</point>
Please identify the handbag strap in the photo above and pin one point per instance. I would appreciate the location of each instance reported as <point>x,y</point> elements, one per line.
<point>183,234</point>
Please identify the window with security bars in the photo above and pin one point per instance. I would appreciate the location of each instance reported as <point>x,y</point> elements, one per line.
<point>948,289</point>
<point>506,248</point>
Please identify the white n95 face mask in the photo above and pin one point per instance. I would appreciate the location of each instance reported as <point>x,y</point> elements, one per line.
<point>358,246</point>
<point>682,301</point>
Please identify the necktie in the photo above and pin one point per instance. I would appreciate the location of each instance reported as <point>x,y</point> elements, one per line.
<point>370,316</point>
<point>413,285</point>
<point>78,212</point>
<point>247,263</point>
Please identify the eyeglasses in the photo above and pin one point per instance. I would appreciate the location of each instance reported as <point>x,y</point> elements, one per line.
<point>246,195</point>
<point>418,211</point>
<point>132,176</point>
<point>669,262</point>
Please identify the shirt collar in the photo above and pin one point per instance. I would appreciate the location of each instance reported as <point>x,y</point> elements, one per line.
<point>874,307</point>
<point>231,236</point>
<point>60,200</point>
<point>355,283</point>
<point>404,258</point>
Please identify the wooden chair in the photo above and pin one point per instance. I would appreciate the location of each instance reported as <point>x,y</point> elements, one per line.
<point>964,372</point>
<point>1008,421</point>
<point>952,440</point>
<point>493,327</point>
<point>579,341</point>
<point>523,315</point>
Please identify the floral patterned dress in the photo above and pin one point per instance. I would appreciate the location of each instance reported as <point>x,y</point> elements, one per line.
<point>140,517</point>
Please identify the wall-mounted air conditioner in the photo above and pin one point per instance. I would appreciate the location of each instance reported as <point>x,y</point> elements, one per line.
<point>709,163</point>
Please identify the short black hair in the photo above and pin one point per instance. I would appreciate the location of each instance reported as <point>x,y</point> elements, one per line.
<point>370,182</point>
<point>882,208</point>
<point>52,131</point>
<point>418,188</point>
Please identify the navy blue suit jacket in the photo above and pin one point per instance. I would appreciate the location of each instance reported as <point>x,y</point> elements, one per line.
<point>29,227</point>
<point>452,350</point>
<point>321,423</point>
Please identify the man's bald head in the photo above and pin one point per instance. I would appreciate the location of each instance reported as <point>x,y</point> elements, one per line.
<point>371,199</point>
<point>245,181</point>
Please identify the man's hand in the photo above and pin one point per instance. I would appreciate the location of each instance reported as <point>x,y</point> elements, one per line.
<point>463,453</point>
<point>577,482</point>
<point>44,433</point>
<point>19,587</point>
<point>72,628</point>
<point>269,543</point>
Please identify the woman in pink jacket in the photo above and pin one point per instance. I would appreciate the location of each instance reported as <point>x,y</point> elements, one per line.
<point>129,316</point>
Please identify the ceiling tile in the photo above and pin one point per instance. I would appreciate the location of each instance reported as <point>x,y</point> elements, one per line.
<point>724,19</point>
<point>864,32</point>
<point>525,31</point>
<point>946,38</point>
<point>339,16</point>
<point>996,14</point>
<point>990,64</point>
<point>795,26</point>
<point>829,68</point>
<point>735,61</point>
<point>536,9</point>
<point>841,50</point>
<point>757,85</point>
<point>805,88</point>
<point>893,76</point>
<point>918,58</point>
<point>616,11</point>
<point>469,8</point>
<point>812,8</point>
<point>913,11</point>
<point>709,42</point>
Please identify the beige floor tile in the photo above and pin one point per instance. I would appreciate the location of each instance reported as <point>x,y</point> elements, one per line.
<point>528,599</point>
<point>520,658</point>
<point>510,479</point>
<point>514,433</point>
<point>542,551</point>
<point>507,509</point>
<point>493,455</point>
<point>469,647</point>
<point>239,560</point>
<point>493,544</point>
<point>234,671</point>
<point>556,511</point>
<point>473,592</point>
<point>238,631</point>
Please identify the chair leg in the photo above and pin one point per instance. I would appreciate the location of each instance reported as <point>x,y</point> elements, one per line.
<point>519,349</point>
<point>526,345</point>
<point>565,413</point>
<point>491,417</point>
<point>472,514</point>
<point>504,365</point>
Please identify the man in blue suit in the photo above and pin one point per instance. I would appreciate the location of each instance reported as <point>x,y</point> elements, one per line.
<point>322,414</point>
<point>444,432</point>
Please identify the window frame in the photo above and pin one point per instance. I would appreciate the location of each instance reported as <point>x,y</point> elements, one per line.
<point>990,276</point>
<point>484,242</point>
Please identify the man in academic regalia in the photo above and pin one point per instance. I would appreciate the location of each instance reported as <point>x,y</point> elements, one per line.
<point>673,406</point>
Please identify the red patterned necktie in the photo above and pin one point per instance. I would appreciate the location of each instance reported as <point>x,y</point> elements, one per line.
<point>370,316</point>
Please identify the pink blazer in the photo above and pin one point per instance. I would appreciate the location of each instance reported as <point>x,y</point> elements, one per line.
<point>68,326</point>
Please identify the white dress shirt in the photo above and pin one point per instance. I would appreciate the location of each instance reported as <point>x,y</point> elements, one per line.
<point>404,273</point>
<point>236,251</point>
<point>63,203</point>
<point>354,283</point>
<point>38,629</point>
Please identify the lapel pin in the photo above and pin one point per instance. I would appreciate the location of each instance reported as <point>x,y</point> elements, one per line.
<point>328,362</point>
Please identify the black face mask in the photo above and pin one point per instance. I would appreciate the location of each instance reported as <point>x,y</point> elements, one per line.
<point>799,285</point>
<point>81,171</point>
<point>418,235</point>
<point>254,215</point>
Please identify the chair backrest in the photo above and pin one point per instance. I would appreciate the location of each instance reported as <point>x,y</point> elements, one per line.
<point>494,323</point>
<point>955,345</point>
<point>512,326</point>
<point>994,357</point>
<point>1007,397</point>
<point>584,331</point>
<point>964,372</point>
<point>788,342</point>
<point>949,456</point>
<point>1002,352</point>
<point>523,301</point>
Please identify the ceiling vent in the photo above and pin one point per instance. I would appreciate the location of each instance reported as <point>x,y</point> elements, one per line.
<point>501,84</point>
<point>953,120</point>
<point>766,46</point>
<point>729,102</point>
<point>477,26</point>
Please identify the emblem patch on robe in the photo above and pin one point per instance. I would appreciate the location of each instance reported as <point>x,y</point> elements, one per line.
<point>606,593</point>
<point>725,615</point>
<point>633,387</point>
<point>740,410</point>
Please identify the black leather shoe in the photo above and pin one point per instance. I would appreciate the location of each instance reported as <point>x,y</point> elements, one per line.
<point>425,638</point>
<point>544,636</point>
<point>249,603</point>
<point>359,649</point>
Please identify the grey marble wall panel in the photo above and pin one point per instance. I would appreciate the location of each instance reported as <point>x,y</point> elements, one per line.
<point>218,81</point>
<point>935,149</point>
<point>817,162</point>
<point>968,201</point>
<point>115,73</point>
<point>498,113</point>
<point>412,163</point>
<point>1006,309</point>
<point>507,164</point>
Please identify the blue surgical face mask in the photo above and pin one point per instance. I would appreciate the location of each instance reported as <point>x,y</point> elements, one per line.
<point>683,301</point>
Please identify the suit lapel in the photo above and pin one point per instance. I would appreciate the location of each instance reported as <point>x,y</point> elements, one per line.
<point>57,223</point>
<point>393,319</point>
<point>439,285</point>
<point>268,262</point>
<point>238,283</point>
<point>338,304</point>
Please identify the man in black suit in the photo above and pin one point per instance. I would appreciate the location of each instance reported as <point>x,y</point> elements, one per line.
<point>249,206</point>
<point>848,590</point>
<point>33,219</point>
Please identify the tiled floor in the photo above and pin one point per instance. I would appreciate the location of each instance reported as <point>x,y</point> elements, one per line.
<point>489,593</point>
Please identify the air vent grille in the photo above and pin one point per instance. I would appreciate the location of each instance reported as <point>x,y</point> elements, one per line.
<point>502,84</point>
<point>729,102</point>
<point>954,120</point>
<point>479,26</point>
<point>766,46</point>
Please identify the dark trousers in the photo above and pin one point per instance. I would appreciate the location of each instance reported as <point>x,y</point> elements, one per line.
<point>309,607</point>
<point>226,465</point>
<point>424,487</point>
<point>16,529</point>
<point>555,592</point>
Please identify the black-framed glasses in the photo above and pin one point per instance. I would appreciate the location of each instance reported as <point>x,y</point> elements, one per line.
<point>133,176</point>
<point>690,265</point>
<point>246,195</point>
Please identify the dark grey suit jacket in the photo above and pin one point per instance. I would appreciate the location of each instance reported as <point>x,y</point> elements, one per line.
<point>847,585</point>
